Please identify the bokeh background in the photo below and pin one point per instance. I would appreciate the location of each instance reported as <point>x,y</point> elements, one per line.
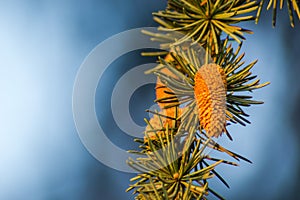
<point>42,45</point>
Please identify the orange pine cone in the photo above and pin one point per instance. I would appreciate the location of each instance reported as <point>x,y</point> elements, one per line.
<point>158,123</point>
<point>161,89</point>
<point>162,92</point>
<point>210,95</point>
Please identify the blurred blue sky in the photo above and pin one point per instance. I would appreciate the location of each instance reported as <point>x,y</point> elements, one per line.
<point>42,45</point>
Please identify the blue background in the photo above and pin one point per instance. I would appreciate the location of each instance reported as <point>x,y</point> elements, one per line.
<point>42,45</point>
